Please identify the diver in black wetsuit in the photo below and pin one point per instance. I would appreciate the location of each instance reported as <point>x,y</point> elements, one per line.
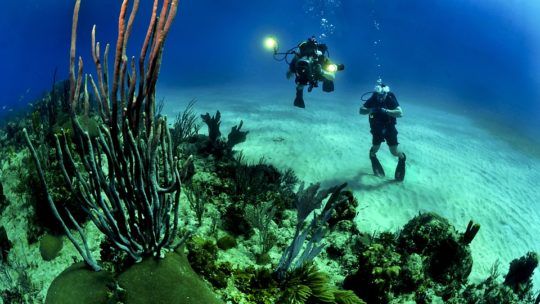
<point>307,65</point>
<point>383,109</point>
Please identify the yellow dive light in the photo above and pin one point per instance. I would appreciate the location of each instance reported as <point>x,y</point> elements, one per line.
<point>270,43</point>
<point>332,68</point>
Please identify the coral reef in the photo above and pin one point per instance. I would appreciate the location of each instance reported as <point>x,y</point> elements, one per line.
<point>50,246</point>
<point>519,275</point>
<point>78,284</point>
<point>176,216</point>
<point>448,259</point>
<point>169,280</point>
<point>430,261</point>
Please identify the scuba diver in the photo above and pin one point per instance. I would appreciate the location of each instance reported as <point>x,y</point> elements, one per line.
<point>383,109</point>
<point>310,66</point>
<point>307,65</point>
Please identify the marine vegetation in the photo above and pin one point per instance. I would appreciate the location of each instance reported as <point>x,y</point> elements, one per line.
<point>135,201</point>
<point>123,172</point>
<point>161,213</point>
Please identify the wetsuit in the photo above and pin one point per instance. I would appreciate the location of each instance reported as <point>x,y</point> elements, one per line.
<point>383,126</point>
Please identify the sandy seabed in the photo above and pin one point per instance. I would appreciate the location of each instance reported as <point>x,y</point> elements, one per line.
<point>455,167</point>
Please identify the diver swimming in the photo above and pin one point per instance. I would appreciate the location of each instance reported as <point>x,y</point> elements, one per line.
<point>384,109</point>
<point>310,65</point>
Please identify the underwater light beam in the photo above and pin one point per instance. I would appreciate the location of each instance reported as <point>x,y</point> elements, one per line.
<point>332,68</point>
<point>271,44</point>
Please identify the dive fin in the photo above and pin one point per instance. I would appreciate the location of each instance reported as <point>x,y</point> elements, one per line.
<point>376,165</point>
<point>328,86</point>
<point>400,169</point>
<point>299,100</point>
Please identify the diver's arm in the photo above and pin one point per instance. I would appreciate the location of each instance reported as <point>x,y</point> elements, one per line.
<point>397,112</point>
<point>364,110</point>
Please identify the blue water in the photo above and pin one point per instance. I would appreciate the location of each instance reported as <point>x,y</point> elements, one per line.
<point>481,54</point>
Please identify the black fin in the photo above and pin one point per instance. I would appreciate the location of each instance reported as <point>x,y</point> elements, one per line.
<point>299,100</point>
<point>376,165</point>
<point>400,169</point>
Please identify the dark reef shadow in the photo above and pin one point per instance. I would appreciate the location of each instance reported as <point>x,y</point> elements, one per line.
<point>357,184</point>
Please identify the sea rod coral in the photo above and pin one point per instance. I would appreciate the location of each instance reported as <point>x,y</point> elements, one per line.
<point>127,176</point>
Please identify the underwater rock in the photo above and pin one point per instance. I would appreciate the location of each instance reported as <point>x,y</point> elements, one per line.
<point>50,246</point>
<point>5,244</point>
<point>79,284</point>
<point>448,260</point>
<point>170,280</point>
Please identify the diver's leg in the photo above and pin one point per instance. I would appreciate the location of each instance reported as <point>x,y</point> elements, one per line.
<point>374,149</point>
<point>396,152</point>
<point>391,140</point>
<point>399,174</point>
<point>375,163</point>
<point>299,99</point>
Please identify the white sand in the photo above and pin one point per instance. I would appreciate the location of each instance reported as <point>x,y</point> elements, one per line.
<point>454,167</point>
